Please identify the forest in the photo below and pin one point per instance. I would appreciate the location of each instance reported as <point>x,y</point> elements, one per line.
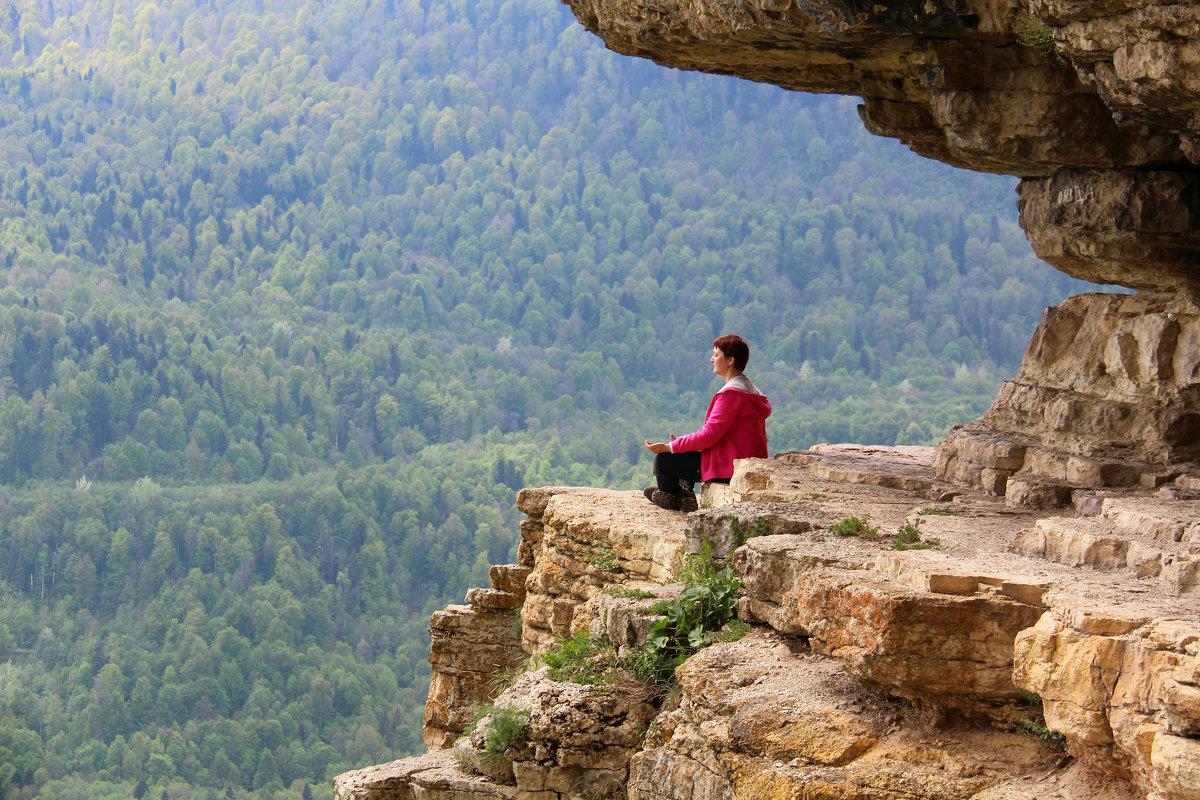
<point>297,295</point>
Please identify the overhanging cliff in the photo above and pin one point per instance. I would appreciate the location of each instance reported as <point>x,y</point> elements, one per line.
<point>1096,107</point>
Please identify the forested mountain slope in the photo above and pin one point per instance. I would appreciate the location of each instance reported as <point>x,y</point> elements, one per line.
<point>297,294</point>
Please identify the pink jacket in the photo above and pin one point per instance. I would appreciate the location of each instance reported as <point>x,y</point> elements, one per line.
<point>734,427</point>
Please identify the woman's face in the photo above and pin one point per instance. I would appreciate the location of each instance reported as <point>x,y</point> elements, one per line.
<point>722,364</point>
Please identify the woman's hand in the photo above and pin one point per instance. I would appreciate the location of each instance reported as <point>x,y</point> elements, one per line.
<point>659,447</point>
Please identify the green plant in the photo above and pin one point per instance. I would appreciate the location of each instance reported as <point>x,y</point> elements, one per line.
<point>813,496</point>
<point>707,602</point>
<point>937,511</point>
<point>734,630</point>
<point>505,728</point>
<point>659,608</point>
<point>628,593</point>
<point>604,559</point>
<point>599,788</point>
<point>1037,729</point>
<point>853,526</point>
<point>909,538</point>
<point>581,659</point>
<point>1035,34</point>
<point>505,678</point>
<point>760,528</point>
<point>654,665</point>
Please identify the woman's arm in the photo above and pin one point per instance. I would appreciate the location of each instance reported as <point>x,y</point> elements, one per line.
<point>721,415</point>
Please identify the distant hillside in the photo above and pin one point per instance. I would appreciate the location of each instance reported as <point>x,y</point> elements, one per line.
<point>297,295</point>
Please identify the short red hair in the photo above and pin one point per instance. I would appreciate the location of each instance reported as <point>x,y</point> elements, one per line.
<point>735,347</point>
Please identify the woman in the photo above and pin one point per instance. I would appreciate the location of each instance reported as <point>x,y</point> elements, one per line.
<point>734,427</point>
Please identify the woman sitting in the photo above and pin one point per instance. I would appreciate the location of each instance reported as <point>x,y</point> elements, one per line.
<point>734,427</point>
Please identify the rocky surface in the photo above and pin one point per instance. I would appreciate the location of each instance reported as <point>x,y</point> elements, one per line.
<point>1095,104</point>
<point>765,717</point>
<point>1106,395</point>
<point>869,672</point>
<point>470,646</point>
<point>580,542</point>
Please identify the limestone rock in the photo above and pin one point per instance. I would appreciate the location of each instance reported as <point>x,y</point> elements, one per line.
<point>433,776</point>
<point>1107,676</point>
<point>583,541</point>
<point>1106,393</point>
<point>766,718</point>
<point>730,526</point>
<point>871,673</point>
<point>470,646</point>
<point>1126,227</point>
<point>576,738</point>
<point>942,642</point>
<point>946,78</point>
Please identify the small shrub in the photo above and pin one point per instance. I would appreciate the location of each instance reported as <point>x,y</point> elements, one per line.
<point>1035,34</point>
<point>909,538</point>
<point>853,526</point>
<point>937,511</point>
<point>813,496</point>
<point>604,559</point>
<point>707,602</point>
<point>653,665</point>
<point>506,728</point>
<point>1037,729</point>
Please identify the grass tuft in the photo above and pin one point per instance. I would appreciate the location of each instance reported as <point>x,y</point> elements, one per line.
<point>853,526</point>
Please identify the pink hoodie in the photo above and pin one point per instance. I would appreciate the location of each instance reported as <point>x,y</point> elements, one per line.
<point>734,427</point>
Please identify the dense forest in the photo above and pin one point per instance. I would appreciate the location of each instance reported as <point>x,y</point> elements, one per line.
<point>298,294</point>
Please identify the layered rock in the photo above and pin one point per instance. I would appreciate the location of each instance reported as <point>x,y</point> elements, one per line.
<point>470,646</point>
<point>580,542</point>
<point>869,672</point>
<point>1096,105</point>
<point>766,718</point>
<point>948,78</point>
<point>1108,395</point>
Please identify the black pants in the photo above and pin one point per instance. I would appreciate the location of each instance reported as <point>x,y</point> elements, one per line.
<point>677,473</point>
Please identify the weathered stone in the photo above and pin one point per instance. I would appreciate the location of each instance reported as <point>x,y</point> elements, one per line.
<point>509,578</point>
<point>575,739</point>
<point>1176,763</point>
<point>433,776</point>
<point>469,647</point>
<point>1129,227</point>
<point>1108,691</point>
<point>765,718</point>
<point>731,526</point>
<point>913,642</point>
<point>588,540</point>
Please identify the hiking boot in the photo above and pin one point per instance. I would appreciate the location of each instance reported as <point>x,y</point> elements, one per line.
<point>671,502</point>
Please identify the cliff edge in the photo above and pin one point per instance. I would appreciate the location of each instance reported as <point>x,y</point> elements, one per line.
<point>1015,653</point>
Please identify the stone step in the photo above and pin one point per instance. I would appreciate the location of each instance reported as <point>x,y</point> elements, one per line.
<point>1123,537</point>
<point>1162,520</point>
<point>793,475</point>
